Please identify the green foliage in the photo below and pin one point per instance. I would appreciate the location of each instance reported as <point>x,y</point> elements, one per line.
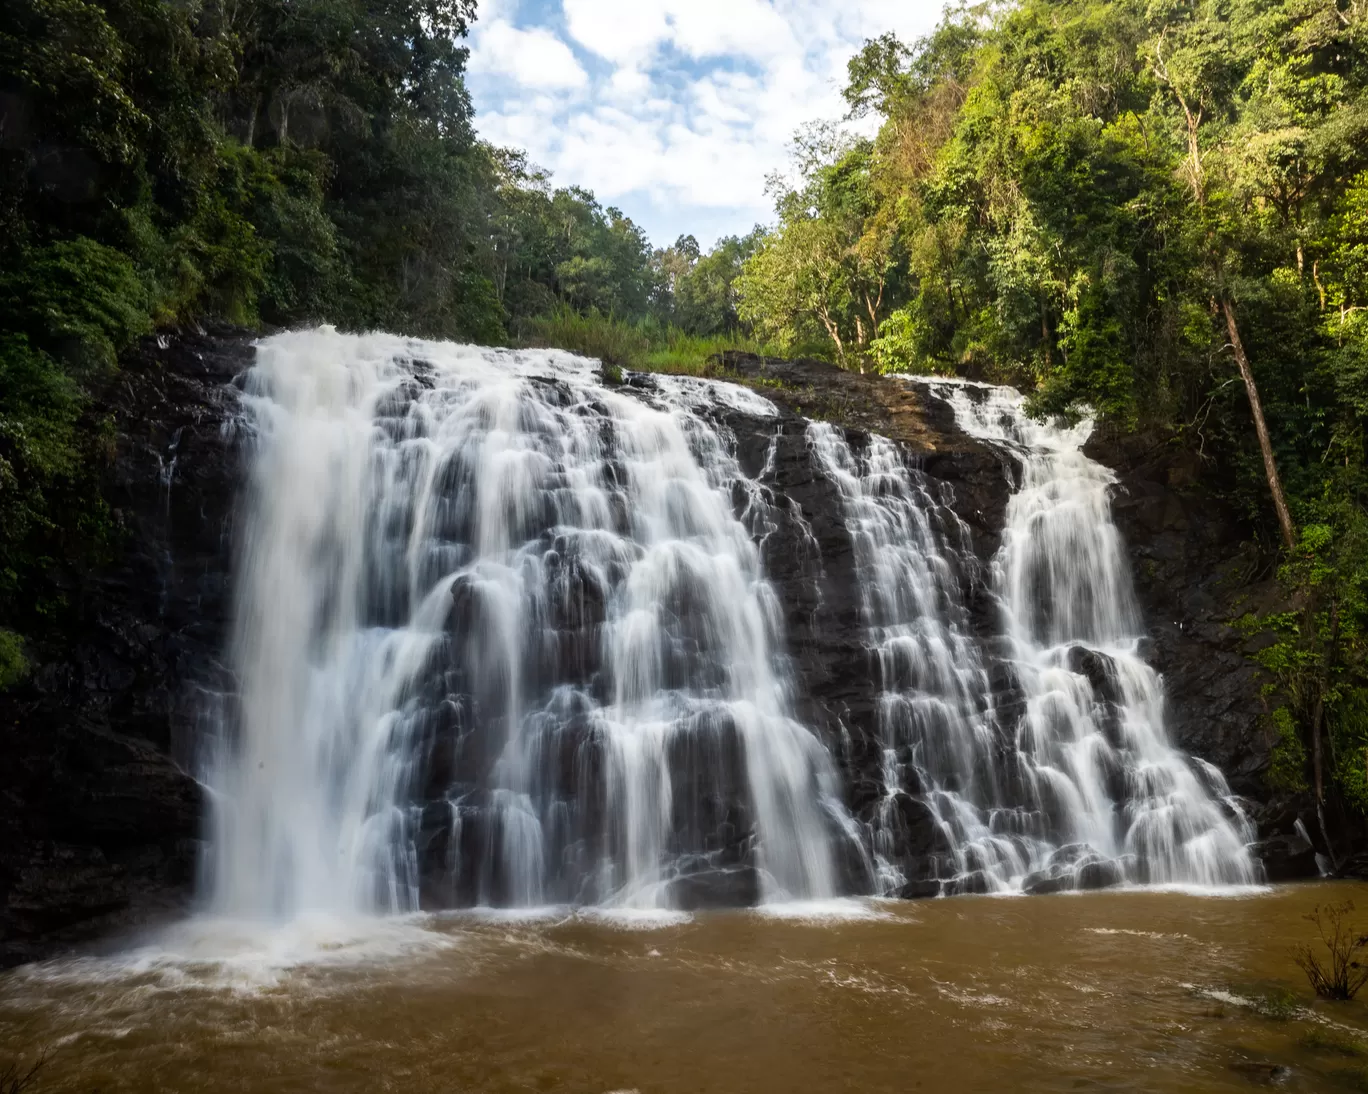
<point>561,247</point>
<point>904,345</point>
<point>698,293</point>
<point>613,341</point>
<point>1287,772</point>
<point>645,345</point>
<point>1275,1002</point>
<point>13,664</point>
<point>71,307</point>
<point>1331,1040</point>
<point>1062,195</point>
<point>678,351</point>
<point>80,300</point>
<point>1070,196</point>
<point>832,267</point>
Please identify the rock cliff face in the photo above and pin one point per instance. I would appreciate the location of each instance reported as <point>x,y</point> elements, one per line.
<point>99,820</point>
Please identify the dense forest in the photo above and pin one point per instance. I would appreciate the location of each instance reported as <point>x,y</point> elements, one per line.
<point>1155,210</point>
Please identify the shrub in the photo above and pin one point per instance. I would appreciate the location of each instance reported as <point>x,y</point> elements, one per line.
<point>15,1078</point>
<point>1344,974</point>
<point>612,341</point>
<point>77,299</point>
<point>13,664</point>
<point>1287,767</point>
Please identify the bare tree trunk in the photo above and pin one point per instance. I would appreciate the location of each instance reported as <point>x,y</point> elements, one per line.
<point>1318,772</point>
<point>834,333</point>
<point>1289,533</point>
<point>1045,334</point>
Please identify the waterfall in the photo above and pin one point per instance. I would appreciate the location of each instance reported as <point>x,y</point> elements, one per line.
<point>1072,784</point>
<point>502,637</point>
<point>935,713</point>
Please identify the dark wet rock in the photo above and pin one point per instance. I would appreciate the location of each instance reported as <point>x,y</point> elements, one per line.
<point>734,888</point>
<point>1043,882</point>
<point>1100,671</point>
<point>1071,854</point>
<point>1262,1073</point>
<point>920,890</point>
<point>1101,874</point>
<point>1290,856</point>
<point>968,884</point>
<point>1196,571</point>
<point>99,820</point>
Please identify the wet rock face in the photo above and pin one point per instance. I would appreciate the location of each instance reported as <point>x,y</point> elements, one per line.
<point>809,557</point>
<point>1189,566</point>
<point>98,822</point>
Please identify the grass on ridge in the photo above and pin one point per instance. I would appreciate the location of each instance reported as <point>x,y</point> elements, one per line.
<point>642,347</point>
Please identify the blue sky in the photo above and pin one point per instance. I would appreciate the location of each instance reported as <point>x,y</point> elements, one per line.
<point>672,110</point>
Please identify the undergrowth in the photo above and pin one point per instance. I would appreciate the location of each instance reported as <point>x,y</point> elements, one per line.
<point>645,346</point>
<point>1342,974</point>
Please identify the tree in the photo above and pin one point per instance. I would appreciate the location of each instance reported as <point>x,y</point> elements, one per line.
<point>834,257</point>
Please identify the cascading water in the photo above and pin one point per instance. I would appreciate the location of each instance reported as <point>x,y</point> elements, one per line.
<point>1075,785</point>
<point>497,616</point>
<point>935,716</point>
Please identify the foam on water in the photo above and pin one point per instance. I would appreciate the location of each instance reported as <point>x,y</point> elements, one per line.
<point>217,954</point>
<point>837,910</point>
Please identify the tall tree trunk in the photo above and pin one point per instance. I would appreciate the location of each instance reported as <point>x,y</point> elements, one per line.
<point>1289,533</point>
<point>834,333</point>
<point>1319,730</point>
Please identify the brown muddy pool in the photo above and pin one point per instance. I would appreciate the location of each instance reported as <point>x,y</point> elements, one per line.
<point>1119,991</point>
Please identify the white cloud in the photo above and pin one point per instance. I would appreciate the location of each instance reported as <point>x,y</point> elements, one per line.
<point>674,109</point>
<point>534,58</point>
<point>624,30</point>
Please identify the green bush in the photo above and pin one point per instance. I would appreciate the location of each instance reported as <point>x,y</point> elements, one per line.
<point>13,664</point>
<point>1287,767</point>
<point>79,300</point>
<point>602,337</point>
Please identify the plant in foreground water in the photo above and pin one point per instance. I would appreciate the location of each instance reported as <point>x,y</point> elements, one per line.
<point>1344,974</point>
<point>14,1077</point>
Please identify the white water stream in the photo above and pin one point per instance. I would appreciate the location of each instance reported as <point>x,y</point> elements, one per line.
<point>1075,783</point>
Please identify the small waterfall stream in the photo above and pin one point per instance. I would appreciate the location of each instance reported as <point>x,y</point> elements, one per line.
<point>1073,784</point>
<point>490,606</point>
<point>935,708</point>
<point>1090,747</point>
